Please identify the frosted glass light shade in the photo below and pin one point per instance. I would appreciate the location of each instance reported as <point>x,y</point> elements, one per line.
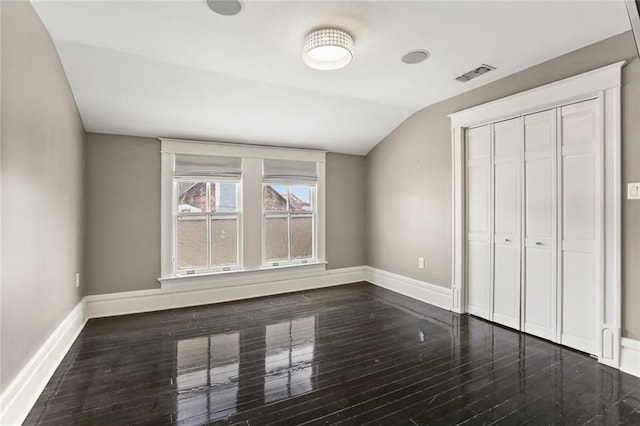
<point>328,49</point>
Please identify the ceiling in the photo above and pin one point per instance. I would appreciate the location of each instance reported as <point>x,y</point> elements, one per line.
<point>176,69</point>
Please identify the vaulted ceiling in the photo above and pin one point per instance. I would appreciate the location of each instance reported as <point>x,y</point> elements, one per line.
<point>176,69</point>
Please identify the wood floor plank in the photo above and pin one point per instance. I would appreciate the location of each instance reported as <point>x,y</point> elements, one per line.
<point>355,354</point>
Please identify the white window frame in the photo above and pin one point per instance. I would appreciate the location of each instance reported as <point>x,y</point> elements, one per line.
<point>209,216</point>
<point>288,214</point>
<point>250,203</point>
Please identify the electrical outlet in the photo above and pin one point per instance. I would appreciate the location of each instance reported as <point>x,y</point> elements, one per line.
<point>77,279</point>
<point>421,262</point>
<point>633,191</point>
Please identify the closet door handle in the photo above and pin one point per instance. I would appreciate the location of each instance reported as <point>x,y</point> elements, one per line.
<point>539,243</point>
<point>506,240</point>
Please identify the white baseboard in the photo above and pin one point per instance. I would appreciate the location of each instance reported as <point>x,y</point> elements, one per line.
<point>416,289</point>
<point>630,356</point>
<point>18,398</point>
<point>131,302</point>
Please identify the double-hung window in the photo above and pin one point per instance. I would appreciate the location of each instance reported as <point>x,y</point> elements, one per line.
<point>289,211</point>
<point>244,209</point>
<point>207,213</point>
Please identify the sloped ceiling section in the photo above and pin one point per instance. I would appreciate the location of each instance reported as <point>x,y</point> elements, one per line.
<point>176,69</point>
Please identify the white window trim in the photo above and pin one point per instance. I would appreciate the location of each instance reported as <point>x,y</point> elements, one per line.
<point>249,264</point>
<point>602,84</point>
<point>242,278</point>
<point>224,149</point>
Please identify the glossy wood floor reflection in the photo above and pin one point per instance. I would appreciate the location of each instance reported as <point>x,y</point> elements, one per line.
<point>353,354</point>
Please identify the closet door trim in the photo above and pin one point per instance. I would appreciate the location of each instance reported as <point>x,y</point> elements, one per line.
<point>602,84</point>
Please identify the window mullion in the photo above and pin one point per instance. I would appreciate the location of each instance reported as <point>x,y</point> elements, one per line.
<point>289,237</point>
<point>209,217</point>
<point>289,223</point>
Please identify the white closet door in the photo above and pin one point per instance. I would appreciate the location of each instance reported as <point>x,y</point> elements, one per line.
<point>540,208</point>
<point>580,194</point>
<point>507,142</point>
<point>478,150</point>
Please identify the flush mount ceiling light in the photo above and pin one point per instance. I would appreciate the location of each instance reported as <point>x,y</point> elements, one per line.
<point>328,49</point>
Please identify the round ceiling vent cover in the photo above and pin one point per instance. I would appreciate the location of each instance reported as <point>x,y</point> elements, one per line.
<point>415,57</point>
<point>225,7</point>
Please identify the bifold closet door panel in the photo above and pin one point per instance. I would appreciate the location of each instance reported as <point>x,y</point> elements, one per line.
<point>478,154</point>
<point>507,142</point>
<point>540,225</point>
<point>580,138</point>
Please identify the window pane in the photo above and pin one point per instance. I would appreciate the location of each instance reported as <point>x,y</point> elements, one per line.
<point>224,242</point>
<point>301,237</point>
<point>192,242</point>
<point>192,197</point>
<point>300,198</point>
<point>223,197</point>
<point>274,197</point>
<point>276,233</point>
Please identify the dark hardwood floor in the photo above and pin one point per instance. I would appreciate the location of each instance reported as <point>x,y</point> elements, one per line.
<point>353,354</point>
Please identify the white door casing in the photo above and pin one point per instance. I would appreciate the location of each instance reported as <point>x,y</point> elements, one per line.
<point>603,86</point>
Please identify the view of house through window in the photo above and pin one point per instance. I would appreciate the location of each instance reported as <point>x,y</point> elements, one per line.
<point>214,229</point>
<point>288,222</point>
<point>206,225</point>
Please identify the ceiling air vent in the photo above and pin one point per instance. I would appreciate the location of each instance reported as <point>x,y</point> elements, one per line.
<point>475,73</point>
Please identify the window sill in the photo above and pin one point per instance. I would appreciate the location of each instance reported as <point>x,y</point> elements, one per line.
<point>237,277</point>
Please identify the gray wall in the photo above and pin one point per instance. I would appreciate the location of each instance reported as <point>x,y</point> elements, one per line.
<point>631,208</point>
<point>42,157</point>
<point>345,214</point>
<point>409,174</point>
<point>123,212</point>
